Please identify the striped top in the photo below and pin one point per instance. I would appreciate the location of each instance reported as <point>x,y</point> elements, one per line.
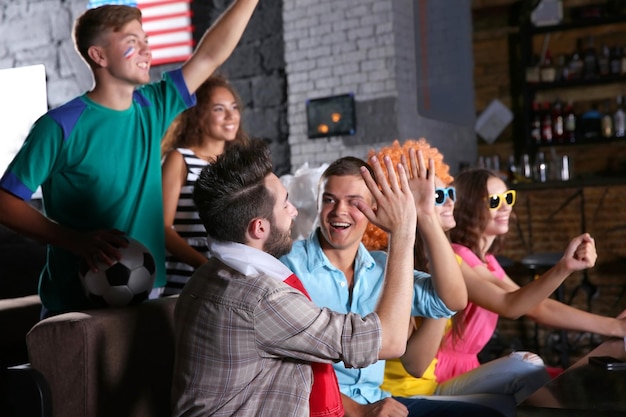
<point>187,224</point>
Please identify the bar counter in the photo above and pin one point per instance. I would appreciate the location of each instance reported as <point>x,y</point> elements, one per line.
<point>583,389</point>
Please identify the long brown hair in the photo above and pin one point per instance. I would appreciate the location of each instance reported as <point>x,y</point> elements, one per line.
<point>190,127</point>
<point>471,211</point>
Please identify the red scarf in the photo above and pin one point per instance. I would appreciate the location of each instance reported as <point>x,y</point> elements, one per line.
<point>325,399</point>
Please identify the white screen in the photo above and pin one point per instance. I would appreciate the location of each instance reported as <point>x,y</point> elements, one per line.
<point>23,100</point>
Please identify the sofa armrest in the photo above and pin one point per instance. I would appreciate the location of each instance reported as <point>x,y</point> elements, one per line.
<point>17,317</point>
<point>108,362</point>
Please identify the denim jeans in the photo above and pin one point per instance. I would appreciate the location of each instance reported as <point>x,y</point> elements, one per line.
<point>501,384</point>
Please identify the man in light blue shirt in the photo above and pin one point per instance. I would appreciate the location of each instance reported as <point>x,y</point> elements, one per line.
<point>338,272</point>
<point>328,287</point>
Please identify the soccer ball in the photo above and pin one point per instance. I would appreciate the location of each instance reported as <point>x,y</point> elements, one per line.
<point>126,282</point>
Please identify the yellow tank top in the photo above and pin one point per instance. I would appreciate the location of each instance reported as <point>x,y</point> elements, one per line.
<point>402,384</point>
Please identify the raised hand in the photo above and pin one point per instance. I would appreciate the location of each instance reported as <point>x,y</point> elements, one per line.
<point>581,253</point>
<point>395,206</point>
<point>421,181</point>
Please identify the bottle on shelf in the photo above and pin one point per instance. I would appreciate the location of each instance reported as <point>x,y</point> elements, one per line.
<point>565,170</point>
<point>576,62</point>
<point>590,60</point>
<point>512,174</point>
<point>535,124</point>
<point>606,122</point>
<point>558,123</point>
<point>591,123</point>
<point>526,169</point>
<point>541,168</point>
<point>616,61</point>
<point>562,68</point>
<point>604,61</point>
<point>547,71</point>
<point>532,71</point>
<point>570,122</point>
<point>546,125</point>
<point>619,118</point>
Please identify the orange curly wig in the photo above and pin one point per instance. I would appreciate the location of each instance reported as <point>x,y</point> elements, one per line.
<point>375,238</point>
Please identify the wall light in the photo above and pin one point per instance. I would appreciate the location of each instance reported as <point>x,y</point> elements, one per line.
<point>331,116</point>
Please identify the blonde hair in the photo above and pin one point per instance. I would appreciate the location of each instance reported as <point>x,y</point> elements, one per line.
<point>375,238</point>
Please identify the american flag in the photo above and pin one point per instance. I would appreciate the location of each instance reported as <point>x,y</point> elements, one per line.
<point>168,25</point>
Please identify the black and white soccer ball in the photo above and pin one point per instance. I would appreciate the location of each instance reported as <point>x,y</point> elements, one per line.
<point>127,282</point>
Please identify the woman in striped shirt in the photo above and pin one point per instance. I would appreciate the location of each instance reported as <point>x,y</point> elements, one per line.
<point>194,139</point>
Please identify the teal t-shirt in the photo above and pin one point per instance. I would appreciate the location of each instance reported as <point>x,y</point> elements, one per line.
<point>98,168</point>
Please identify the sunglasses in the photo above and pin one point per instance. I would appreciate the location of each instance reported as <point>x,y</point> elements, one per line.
<point>495,200</point>
<point>442,194</point>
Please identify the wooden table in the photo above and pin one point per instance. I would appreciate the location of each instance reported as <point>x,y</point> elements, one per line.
<point>583,389</point>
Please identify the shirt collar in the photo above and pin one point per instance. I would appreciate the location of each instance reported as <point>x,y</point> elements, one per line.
<point>316,257</point>
<point>248,260</point>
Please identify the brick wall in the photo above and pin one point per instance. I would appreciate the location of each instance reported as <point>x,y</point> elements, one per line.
<point>545,221</point>
<point>366,47</point>
<point>39,32</point>
<point>330,47</point>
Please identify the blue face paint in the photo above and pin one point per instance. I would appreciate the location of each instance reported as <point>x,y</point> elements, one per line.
<point>129,52</point>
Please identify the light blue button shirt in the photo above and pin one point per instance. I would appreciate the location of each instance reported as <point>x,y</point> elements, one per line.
<point>328,287</point>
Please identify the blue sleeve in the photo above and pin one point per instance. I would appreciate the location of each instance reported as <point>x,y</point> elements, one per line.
<point>35,160</point>
<point>426,301</point>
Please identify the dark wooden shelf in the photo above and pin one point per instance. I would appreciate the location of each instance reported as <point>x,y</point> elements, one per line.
<point>607,79</point>
<point>524,93</point>
<point>580,24</point>
<point>581,142</point>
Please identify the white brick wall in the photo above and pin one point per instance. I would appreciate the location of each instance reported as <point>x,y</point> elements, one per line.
<point>39,32</point>
<point>331,47</point>
<point>366,47</point>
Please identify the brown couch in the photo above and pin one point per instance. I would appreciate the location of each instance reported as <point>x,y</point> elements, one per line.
<point>110,362</point>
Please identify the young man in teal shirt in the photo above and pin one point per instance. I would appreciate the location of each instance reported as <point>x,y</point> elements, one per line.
<point>97,158</point>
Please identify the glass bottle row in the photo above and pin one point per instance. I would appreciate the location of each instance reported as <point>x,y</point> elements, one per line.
<point>585,62</point>
<point>559,123</point>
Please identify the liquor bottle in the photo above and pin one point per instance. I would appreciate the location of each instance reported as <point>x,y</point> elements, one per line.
<point>535,124</point>
<point>604,61</point>
<point>532,71</point>
<point>576,62</point>
<point>541,168</point>
<point>607,122</point>
<point>546,125</point>
<point>570,123</point>
<point>616,60</point>
<point>558,124</point>
<point>590,60</point>
<point>591,123</point>
<point>562,68</point>
<point>547,71</point>
<point>619,118</point>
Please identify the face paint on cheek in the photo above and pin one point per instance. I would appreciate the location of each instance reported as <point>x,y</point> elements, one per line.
<point>129,52</point>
